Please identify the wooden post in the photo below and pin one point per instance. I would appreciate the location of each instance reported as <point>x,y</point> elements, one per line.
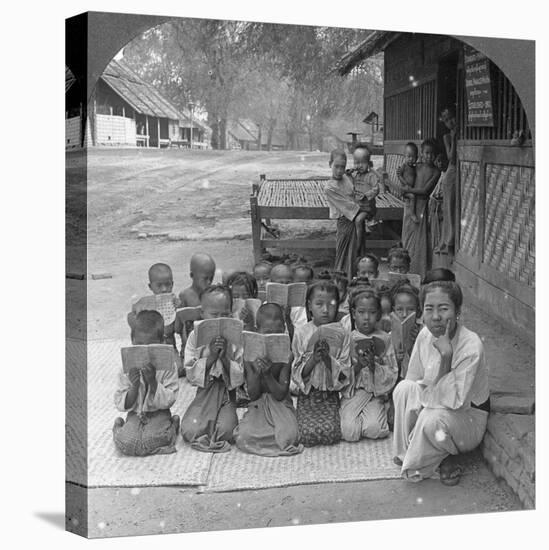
<point>256,227</point>
<point>255,190</point>
<point>158,129</point>
<point>147,129</point>
<point>481,209</point>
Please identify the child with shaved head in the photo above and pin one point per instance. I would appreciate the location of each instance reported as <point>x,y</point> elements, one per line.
<point>160,283</point>
<point>269,427</point>
<point>147,396</point>
<point>282,273</point>
<point>202,274</point>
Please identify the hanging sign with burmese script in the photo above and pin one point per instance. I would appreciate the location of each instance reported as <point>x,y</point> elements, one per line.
<point>478,88</point>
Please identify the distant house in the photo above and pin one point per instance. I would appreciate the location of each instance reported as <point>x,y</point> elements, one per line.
<point>240,137</point>
<point>374,132</point>
<point>244,134</point>
<point>73,112</point>
<point>201,132</point>
<point>127,111</point>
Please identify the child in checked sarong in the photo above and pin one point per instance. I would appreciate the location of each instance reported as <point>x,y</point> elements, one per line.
<point>147,396</point>
<point>375,371</point>
<point>269,427</point>
<point>340,194</point>
<point>321,367</point>
<point>216,369</point>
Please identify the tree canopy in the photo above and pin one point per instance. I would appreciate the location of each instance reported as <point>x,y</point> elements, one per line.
<point>277,76</point>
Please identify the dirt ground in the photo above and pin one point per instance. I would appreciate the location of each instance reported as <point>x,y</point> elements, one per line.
<point>185,201</point>
<point>124,511</point>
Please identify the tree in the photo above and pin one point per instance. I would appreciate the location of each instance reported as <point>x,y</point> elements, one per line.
<point>274,75</point>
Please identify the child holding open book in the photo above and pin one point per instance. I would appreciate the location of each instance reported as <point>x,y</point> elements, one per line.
<point>213,361</point>
<point>404,322</point>
<point>146,392</point>
<point>321,367</point>
<point>162,300</point>
<point>374,369</point>
<point>202,272</point>
<point>269,427</point>
<point>288,294</point>
<point>245,302</point>
<point>303,273</point>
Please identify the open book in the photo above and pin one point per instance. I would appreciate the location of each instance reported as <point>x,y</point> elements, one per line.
<point>413,278</point>
<point>189,313</point>
<point>161,356</point>
<point>380,283</point>
<point>163,303</point>
<point>401,331</point>
<point>275,347</point>
<point>333,334</point>
<point>365,344</point>
<point>253,304</point>
<point>292,295</point>
<point>228,327</point>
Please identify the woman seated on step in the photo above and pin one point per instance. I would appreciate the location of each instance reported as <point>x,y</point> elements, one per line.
<point>441,407</point>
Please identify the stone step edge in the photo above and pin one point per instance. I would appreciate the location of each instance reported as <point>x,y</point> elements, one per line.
<point>510,455</point>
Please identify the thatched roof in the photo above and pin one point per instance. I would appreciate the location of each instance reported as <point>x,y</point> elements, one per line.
<point>250,126</point>
<point>141,95</point>
<point>375,43</point>
<point>245,129</point>
<point>185,121</point>
<point>241,132</point>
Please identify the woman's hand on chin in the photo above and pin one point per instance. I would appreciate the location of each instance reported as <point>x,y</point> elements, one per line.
<point>443,343</point>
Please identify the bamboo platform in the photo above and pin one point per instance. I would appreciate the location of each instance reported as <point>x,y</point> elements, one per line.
<point>286,199</point>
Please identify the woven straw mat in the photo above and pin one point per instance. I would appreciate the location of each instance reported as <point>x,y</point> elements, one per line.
<point>365,460</point>
<point>361,461</point>
<point>106,466</point>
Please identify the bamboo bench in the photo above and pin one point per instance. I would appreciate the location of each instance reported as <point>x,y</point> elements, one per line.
<point>304,199</point>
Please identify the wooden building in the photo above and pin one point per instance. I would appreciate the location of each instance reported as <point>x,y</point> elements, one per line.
<point>246,134</point>
<point>240,137</point>
<point>495,212</point>
<point>124,110</point>
<point>74,129</point>
<point>201,132</point>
